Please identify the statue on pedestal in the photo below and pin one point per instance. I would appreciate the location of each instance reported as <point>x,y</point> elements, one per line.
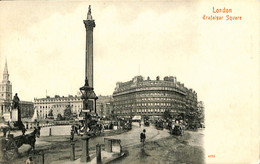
<point>16,101</point>
<point>15,106</point>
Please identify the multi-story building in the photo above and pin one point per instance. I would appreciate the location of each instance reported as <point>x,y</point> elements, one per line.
<point>26,107</point>
<point>103,107</point>
<point>109,108</point>
<point>153,97</point>
<point>57,104</point>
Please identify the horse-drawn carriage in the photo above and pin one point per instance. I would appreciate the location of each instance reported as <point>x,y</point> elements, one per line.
<point>10,145</point>
<point>108,125</point>
<point>146,122</point>
<point>176,130</point>
<point>9,149</point>
<point>93,128</point>
<point>159,125</point>
<point>126,124</point>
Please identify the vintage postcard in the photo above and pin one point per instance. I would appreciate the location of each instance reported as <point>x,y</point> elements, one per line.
<point>171,81</point>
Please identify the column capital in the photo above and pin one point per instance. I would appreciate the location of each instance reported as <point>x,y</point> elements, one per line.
<point>89,24</point>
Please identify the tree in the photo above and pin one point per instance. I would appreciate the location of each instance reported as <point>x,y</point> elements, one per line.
<point>59,117</point>
<point>68,113</point>
<point>193,118</point>
<point>167,115</point>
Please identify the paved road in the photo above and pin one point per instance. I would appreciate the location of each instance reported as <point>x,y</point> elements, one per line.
<point>129,138</point>
<point>159,145</point>
<point>186,149</point>
<point>132,137</point>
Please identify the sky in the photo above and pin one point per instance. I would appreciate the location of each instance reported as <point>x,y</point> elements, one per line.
<point>44,44</point>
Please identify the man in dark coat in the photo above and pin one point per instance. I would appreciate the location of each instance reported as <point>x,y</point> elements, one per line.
<point>143,136</point>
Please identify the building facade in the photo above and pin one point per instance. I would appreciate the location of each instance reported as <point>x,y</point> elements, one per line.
<point>57,105</point>
<point>26,107</point>
<point>153,97</point>
<point>103,105</point>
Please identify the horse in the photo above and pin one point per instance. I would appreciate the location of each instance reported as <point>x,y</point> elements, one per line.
<point>29,139</point>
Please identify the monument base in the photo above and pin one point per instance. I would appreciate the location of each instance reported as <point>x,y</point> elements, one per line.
<point>14,115</point>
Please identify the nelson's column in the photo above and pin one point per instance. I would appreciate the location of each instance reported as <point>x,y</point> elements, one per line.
<point>89,25</point>
<point>88,95</point>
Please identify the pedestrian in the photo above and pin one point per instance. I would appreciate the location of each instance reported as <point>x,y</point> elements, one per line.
<point>29,160</point>
<point>5,131</point>
<point>142,137</point>
<point>103,128</point>
<point>71,135</point>
<point>72,127</point>
<point>140,123</point>
<point>76,129</point>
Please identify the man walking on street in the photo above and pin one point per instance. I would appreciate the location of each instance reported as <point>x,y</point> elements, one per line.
<point>142,137</point>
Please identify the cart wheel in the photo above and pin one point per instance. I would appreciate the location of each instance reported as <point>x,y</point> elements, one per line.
<point>11,151</point>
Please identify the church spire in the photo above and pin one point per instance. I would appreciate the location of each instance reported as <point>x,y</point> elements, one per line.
<point>6,88</point>
<point>5,69</point>
<point>5,74</point>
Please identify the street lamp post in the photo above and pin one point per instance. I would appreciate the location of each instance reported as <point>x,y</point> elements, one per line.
<point>87,94</point>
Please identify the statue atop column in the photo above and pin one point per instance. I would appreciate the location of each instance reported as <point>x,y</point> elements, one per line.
<point>89,16</point>
<point>89,10</point>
